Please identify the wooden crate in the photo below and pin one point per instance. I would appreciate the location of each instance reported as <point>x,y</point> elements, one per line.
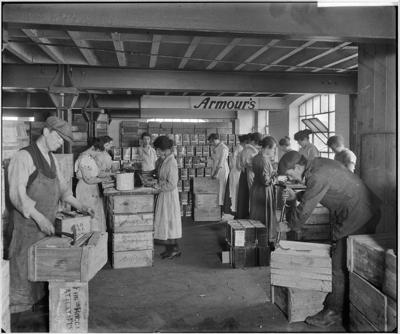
<point>242,257</point>
<point>132,259</point>
<point>205,185</point>
<point>132,222</point>
<point>297,304</point>
<point>375,306</point>
<point>312,232</point>
<point>5,296</point>
<point>55,259</point>
<point>132,203</point>
<point>64,223</point>
<point>304,265</point>
<point>247,232</point>
<point>132,241</point>
<point>68,307</point>
<point>358,323</point>
<point>206,214</point>
<point>366,255</point>
<point>390,276</point>
<point>206,200</point>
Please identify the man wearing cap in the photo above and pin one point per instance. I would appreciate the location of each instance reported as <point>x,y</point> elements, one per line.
<point>36,186</point>
<point>354,210</point>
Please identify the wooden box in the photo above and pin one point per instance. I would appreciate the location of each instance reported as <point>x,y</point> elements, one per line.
<point>132,259</point>
<point>132,222</point>
<point>199,151</point>
<point>132,241</point>
<point>390,276</point>
<point>199,172</point>
<point>366,255</point>
<point>242,257</point>
<point>303,265</point>
<point>205,185</point>
<point>68,307</point>
<point>206,200</point>
<point>358,323</point>
<point>5,296</point>
<point>65,222</point>
<point>297,304</point>
<point>55,259</point>
<point>132,203</point>
<point>312,232</point>
<point>375,306</point>
<point>206,214</point>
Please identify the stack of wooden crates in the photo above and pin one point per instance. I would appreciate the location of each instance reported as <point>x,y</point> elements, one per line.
<point>206,201</point>
<point>301,277</point>
<point>131,218</point>
<point>248,243</point>
<point>373,275</point>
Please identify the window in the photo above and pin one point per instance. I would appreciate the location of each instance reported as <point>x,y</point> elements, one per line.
<point>321,107</point>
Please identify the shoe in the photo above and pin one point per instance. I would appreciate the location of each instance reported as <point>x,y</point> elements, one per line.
<point>324,318</point>
<point>173,254</point>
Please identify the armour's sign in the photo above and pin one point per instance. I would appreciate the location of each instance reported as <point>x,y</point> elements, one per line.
<point>221,103</point>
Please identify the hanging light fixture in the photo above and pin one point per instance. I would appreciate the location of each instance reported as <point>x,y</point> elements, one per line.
<point>61,89</point>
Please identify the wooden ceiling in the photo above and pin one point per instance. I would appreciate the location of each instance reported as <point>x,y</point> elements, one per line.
<point>102,46</point>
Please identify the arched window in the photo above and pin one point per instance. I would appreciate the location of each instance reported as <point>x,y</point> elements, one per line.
<point>321,107</point>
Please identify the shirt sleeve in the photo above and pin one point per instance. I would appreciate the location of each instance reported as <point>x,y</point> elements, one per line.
<point>20,168</point>
<point>65,187</point>
<point>171,181</point>
<point>350,158</point>
<point>315,192</point>
<point>267,173</point>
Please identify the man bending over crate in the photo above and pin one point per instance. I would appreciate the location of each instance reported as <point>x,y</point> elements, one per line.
<point>354,210</point>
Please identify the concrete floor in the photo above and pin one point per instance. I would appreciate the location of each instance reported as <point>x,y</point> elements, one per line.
<point>193,293</point>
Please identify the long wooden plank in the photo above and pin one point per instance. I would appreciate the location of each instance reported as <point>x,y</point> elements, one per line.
<point>307,262</point>
<point>97,254</point>
<point>296,274</point>
<point>133,259</point>
<point>296,268</point>
<point>132,241</point>
<point>390,276</point>
<point>132,223</point>
<point>69,307</point>
<point>378,308</point>
<point>306,284</point>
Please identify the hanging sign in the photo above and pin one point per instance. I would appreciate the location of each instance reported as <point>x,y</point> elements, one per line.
<point>224,103</point>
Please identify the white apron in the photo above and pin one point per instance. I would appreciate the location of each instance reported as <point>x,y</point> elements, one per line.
<point>234,177</point>
<point>220,159</point>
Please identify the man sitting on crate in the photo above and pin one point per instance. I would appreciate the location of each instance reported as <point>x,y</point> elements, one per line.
<point>354,210</point>
<point>36,186</point>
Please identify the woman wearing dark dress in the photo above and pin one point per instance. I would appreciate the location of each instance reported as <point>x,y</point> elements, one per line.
<point>262,203</point>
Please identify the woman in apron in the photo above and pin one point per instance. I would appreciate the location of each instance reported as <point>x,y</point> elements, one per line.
<point>167,218</point>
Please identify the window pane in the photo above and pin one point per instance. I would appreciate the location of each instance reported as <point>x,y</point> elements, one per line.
<point>316,103</point>
<point>321,146</point>
<point>323,118</point>
<point>331,102</point>
<point>309,107</point>
<point>332,122</point>
<point>324,103</point>
<point>302,109</point>
<point>301,124</point>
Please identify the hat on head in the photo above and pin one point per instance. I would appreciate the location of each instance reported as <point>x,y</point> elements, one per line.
<point>61,126</point>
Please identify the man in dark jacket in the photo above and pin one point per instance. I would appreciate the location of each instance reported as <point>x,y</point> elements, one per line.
<point>354,210</point>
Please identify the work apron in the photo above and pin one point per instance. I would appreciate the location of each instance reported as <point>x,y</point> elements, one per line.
<point>45,192</point>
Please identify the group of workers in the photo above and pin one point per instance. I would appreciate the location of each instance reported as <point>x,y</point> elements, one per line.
<point>245,187</point>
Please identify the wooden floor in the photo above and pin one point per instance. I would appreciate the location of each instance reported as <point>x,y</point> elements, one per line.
<point>193,293</point>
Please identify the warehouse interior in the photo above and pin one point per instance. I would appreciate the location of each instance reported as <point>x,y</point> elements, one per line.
<point>195,69</point>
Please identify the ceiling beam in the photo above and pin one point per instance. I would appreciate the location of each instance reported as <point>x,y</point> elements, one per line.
<point>323,54</point>
<point>224,52</point>
<point>342,60</point>
<point>119,48</point>
<point>348,68</point>
<point>84,48</point>
<point>155,46</point>
<point>18,51</point>
<point>14,76</point>
<point>300,20</point>
<point>190,50</point>
<point>50,50</point>
<point>257,54</point>
<point>286,56</point>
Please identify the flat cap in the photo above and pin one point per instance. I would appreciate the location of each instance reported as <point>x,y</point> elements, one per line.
<point>61,126</point>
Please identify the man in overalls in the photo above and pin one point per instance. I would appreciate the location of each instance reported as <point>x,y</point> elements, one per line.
<point>354,210</point>
<point>36,186</point>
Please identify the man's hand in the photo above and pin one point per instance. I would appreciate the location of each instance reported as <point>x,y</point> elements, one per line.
<point>283,227</point>
<point>288,194</point>
<point>89,210</point>
<point>281,178</point>
<point>44,224</point>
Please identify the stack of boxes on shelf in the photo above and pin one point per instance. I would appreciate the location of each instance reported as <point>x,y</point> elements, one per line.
<point>206,201</point>
<point>373,294</point>
<point>248,243</point>
<point>316,228</point>
<point>301,277</point>
<point>14,137</point>
<point>100,126</point>
<point>131,222</point>
<point>129,133</point>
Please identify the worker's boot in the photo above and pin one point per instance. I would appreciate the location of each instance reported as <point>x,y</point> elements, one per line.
<point>167,252</point>
<point>324,318</point>
<point>176,252</point>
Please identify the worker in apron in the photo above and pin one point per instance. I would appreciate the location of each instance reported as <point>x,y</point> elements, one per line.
<point>147,154</point>
<point>355,210</point>
<point>36,186</point>
<point>308,149</point>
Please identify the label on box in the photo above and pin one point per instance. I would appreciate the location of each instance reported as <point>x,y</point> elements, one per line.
<point>239,238</point>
